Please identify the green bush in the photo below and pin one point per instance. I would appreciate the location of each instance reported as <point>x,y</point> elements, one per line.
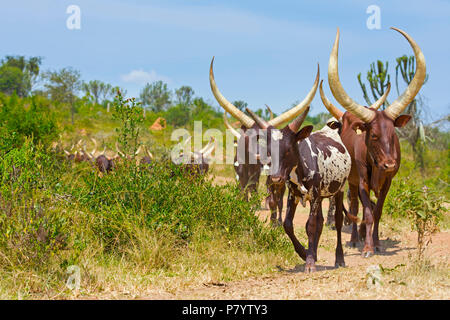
<point>32,227</point>
<point>164,197</point>
<point>422,206</point>
<point>22,118</point>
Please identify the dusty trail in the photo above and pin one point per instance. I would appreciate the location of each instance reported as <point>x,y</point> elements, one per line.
<point>331,283</point>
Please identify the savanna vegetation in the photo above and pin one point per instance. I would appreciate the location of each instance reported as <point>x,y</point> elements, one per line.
<point>136,231</point>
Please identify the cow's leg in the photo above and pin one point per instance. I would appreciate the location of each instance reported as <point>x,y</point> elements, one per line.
<point>339,200</point>
<point>312,232</point>
<point>271,201</point>
<point>288,225</point>
<point>319,219</point>
<point>364,194</point>
<point>331,213</point>
<point>362,227</point>
<point>346,219</point>
<point>354,207</point>
<point>280,205</point>
<point>377,213</point>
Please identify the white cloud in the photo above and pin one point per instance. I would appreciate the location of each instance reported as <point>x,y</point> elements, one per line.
<point>142,77</point>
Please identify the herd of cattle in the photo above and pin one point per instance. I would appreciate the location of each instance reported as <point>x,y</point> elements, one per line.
<point>101,160</point>
<point>359,146</point>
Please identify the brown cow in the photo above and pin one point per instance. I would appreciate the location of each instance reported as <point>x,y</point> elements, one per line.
<point>249,156</point>
<point>147,159</point>
<point>247,165</point>
<point>197,162</point>
<point>369,135</point>
<point>247,171</point>
<point>314,166</point>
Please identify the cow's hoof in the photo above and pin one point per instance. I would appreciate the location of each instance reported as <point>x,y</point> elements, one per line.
<point>310,265</point>
<point>367,254</point>
<point>276,223</point>
<point>339,264</point>
<point>310,268</point>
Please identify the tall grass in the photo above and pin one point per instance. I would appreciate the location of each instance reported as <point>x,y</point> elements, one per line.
<point>154,220</point>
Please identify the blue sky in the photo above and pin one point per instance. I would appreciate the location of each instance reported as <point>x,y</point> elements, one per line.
<point>266,51</point>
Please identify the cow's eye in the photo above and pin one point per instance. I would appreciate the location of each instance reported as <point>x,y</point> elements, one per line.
<point>374,137</point>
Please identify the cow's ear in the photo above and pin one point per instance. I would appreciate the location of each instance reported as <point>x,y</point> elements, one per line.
<point>402,120</point>
<point>359,126</point>
<point>303,133</point>
<point>334,124</point>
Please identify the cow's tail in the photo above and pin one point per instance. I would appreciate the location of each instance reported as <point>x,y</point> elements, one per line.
<point>349,216</point>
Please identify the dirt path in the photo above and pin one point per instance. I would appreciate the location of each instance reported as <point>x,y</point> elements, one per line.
<point>343,283</point>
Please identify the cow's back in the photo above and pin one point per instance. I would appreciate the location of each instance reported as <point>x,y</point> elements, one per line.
<point>325,161</point>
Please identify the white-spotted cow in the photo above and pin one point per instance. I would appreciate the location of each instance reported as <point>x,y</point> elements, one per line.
<point>314,166</point>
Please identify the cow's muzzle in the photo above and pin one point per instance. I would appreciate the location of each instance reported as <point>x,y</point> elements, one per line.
<point>389,166</point>
<point>277,180</point>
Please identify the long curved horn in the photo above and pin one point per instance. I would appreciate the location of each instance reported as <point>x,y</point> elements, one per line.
<point>188,139</point>
<point>207,146</point>
<point>228,106</point>
<point>138,151</point>
<point>365,114</point>
<point>229,127</point>
<point>294,112</point>
<point>95,146</point>
<point>270,112</point>
<point>263,124</point>
<point>382,99</point>
<point>148,153</point>
<point>118,151</point>
<point>335,112</point>
<point>296,124</point>
<point>90,156</point>
<point>210,150</point>
<point>397,107</point>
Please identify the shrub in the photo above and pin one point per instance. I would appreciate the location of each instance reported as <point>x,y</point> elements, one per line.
<point>164,197</point>
<point>32,227</point>
<point>22,118</point>
<point>423,207</point>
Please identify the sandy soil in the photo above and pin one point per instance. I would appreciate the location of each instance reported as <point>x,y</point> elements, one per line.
<point>329,282</point>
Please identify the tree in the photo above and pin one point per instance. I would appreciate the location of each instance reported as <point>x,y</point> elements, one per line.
<point>414,132</point>
<point>18,74</point>
<point>178,115</point>
<point>378,78</point>
<point>241,105</point>
<point>98,90</point>
<point>62,86</point>
<point>184,95</point>
<point>156,96</point>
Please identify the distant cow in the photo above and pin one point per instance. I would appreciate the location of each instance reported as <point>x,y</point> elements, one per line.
<point>79,155</point>
<point>105,163</point>
<point>197,162</point>
<point>247,166</point>
<point>147,159</point>
<point>369,135</point>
